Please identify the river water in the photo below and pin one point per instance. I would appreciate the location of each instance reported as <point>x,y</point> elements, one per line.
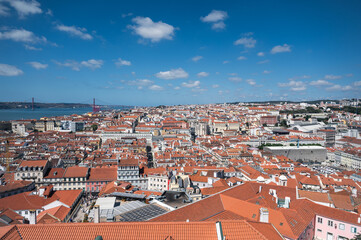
<point>18,114</point>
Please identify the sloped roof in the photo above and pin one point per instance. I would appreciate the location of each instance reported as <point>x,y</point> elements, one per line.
<point>27,200</point>
<point>76,171</point>
<point>144,230</point>
<point>245,201</point>
<point>59,212</point>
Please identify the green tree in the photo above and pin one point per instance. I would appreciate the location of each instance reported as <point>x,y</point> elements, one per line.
<point>284,123</point>
<point>94,127</point>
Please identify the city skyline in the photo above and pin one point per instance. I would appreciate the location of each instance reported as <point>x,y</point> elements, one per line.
<point>137,53</point>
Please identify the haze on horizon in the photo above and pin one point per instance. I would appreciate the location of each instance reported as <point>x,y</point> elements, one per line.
<point>185,52</point>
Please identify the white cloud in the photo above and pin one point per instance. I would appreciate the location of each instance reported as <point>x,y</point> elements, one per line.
<point>196,58</point>
<point>156,88</point>
<point>294,85</point>
<point>25,8</point>
<point>203,74</point>
<point>241,58</point>
<point>75,31</point>
<point>4,11</point>
<point>215,86</point>
<point>349,75</point>
<point>120,62</point>
<point>69,63</point>
<point>198,89</point>
<point>92,63</point>
<point>247,42</point>
<point>260,54</point>
<point>357,84</point>
<point>266,72</point>
<point>281,48</point>
<point>346,88</point>
<point>337,87</point>
<point>218,26</point>
<point>235,79</point>
<point>38,65</point>
<point>320,82</point>
<point>251,82</point>
<point>177,88</point>
<point>225,62</point>
<point>191,84</point>
<point>172,74</point>
<point>332,77</point>
<point>29,47</point>
<point>334,87</point>
<point>217,18</point>
<point>49,12</point>
<point>21,35</point>
<point>141,83</point>
<point>9,70</point>
<point>263,62</point>
<point>153,31</point>
<point>124,15</point>
<point>300,77</point>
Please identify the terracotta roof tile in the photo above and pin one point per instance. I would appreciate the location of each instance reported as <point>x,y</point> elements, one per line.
<point>161,230</point>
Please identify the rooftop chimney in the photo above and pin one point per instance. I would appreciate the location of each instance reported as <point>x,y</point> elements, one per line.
<point>287,202</point>
<point>263,215</point>
<point>354,192</point>
<point>219,231</point>
<point>32,217</point>
<point>96,214</point>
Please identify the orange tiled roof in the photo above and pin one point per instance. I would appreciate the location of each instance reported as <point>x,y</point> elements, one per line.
<point>33,163</point>
<point>300,211</point>
<point>143,230</point>
<point>315,196</point>
<point>27,200</point>
<point>76,171</point>
<point>103,174</point>
<point>59,212</point>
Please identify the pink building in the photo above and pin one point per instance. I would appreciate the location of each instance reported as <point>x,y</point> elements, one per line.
<point>99,177</point>
<point>330,229</point>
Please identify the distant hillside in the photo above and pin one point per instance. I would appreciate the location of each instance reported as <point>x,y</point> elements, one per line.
<point>277,102</point>
<point>17,105</point>
<point>22,105</point>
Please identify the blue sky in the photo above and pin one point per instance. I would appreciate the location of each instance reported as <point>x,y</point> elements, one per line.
<point>179,52</point>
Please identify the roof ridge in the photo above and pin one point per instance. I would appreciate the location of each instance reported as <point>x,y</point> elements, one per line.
<point>256,230</point>
<point>213,215</point>
<point>10,231</point>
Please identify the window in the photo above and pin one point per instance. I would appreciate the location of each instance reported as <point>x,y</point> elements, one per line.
<point>341,226</point>
<point>319,220</point>
<point>353,229</point>
<point>319,230</point>
<point>330,223</point>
